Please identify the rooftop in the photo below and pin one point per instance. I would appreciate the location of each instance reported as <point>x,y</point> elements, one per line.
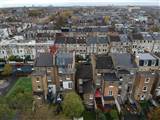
<point>80,74</point>
<point>124,60</point>
<point>110,77</point>
<point>146,56</point>
<point>44,60</point>
<point>63,59</point>
<point>104,62</point>
<point>137,36</point>
<point>114,38</point>
<point>97,40</point>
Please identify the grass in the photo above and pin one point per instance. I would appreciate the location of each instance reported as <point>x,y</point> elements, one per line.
<point>23,82</point>
<point>45,112</point>
<point>89,115</point>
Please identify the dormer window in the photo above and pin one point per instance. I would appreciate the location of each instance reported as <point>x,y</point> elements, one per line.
<point>145,63</point>
<point>153,62</point>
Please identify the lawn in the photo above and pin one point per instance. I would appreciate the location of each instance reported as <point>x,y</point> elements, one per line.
<point>24,83</point>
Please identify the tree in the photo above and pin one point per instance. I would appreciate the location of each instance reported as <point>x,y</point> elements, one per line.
<point>72,105</point>
<point>20,99</point>
<point>12,58</point>
<point>2,60</point>
<point>79,58</point>
<point>100,115</point>
<point>155,29</point>
<point>28,58</point>
<point>15,58</point>
<point>7,70</point>
<point>155,115</point>
<point>5,112</point>
<point>114,114</point>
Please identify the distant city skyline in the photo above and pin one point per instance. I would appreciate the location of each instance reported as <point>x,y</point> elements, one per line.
<point>21,3</point>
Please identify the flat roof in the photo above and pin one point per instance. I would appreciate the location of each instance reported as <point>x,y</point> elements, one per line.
<point>110,77</point>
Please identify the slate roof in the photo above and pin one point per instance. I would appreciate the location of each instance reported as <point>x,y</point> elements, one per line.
<point>97,40</point>
<point>124,38</point>
<point>60,40</point>
<point>124,60</point>
<point>114,38</point>
<point>44,60</point>
<point>63,59</point>
<point>146,36</point>
<point>84,71</point>
<point>156,36</point>
<point>146,56</point>
<point>137,36</point>
<point>104,62</point>
<point>69,40</point>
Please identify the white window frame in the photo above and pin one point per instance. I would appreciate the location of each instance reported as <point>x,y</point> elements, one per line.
<point>153,63</point>
<point>37,79</point>
<point>144,90</point>
<point>110,93</point>
<point>145,62</point>
<point>147,80</point>
<point>38,87</point>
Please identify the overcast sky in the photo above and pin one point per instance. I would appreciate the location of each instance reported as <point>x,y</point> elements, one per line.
<point>16,3</point>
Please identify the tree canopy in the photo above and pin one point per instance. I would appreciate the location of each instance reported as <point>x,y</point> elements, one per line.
<point>155,115</point>
<point>72,105</point>
<point>7,70</point>
<point>15,58</point>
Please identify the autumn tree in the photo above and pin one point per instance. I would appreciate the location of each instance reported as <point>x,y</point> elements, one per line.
<point>155,115</point>
<point>7,70</point>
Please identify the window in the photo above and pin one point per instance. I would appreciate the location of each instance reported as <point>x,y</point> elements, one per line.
<point>119,92</point>
<point>147,80</point>
<point>142,97</point>
<point>49,70</point>
<point>110,93</point>
<point>153,62</point>
<point>144,88</point>
<point>145,63</point>
<point>67,84</point>
<point>38,97</point>
<point>37,80</point>
<point>39,88</point>
<point>70,85</point>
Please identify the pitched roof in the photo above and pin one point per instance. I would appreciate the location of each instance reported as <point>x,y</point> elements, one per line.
<point>137,36</point>
<point>146,56</point>
<point>84,71</point>
<point>63,59</point>
<point>104,62</point>
<point>114,38</point>
<point>124,60</point>
<point>44,60</point>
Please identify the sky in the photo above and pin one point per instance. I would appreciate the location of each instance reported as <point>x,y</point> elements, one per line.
<point>17,3</point>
